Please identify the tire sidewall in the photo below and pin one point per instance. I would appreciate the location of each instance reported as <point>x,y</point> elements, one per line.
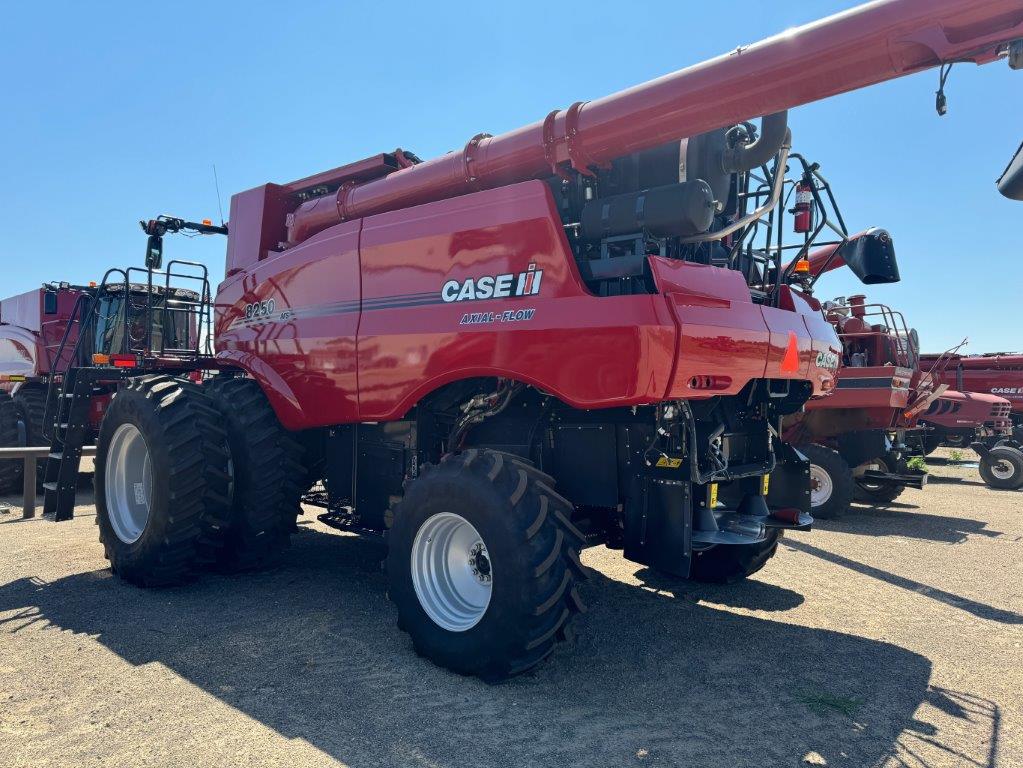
<point>832,464</point>
<point>1011,455</point>
<point>501,625</point>
<point>133,407</point>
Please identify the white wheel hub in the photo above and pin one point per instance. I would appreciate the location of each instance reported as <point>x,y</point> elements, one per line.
<point>451,572</point>
<point>821,486</point>
<point>1002,469</point>
<point>129,483</point>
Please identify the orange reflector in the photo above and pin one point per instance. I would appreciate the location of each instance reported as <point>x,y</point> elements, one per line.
<point>207,222</point>
<point>803,267</point>
<point>790,363</point>
<point>92,283</point>
<point>100,359</point>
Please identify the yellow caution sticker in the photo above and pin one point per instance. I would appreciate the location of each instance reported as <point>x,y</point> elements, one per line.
<point>765,484</point>
<point>712,495</point>
<point>670,463</point>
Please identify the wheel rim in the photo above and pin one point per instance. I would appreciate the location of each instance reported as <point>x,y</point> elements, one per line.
<point>129,483</point>
<point>1002,469</point>
<point>883,465</point>
<point>451,572</point>
<point>821,486</point>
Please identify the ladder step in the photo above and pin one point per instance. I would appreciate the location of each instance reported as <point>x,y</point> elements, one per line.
<point>58,455</point>
<point>50,487</point>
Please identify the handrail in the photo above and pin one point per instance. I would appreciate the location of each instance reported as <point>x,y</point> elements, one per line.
<point>30,454</point>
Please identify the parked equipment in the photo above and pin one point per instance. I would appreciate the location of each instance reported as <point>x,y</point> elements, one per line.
<point>49,330</point>
<point>553,338</point>
<point>854,438</point>
<point>989,424</point>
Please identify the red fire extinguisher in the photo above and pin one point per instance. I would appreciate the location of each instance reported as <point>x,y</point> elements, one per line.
<point>803,210</point>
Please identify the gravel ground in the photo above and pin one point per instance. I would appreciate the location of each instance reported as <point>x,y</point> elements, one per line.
<point>889,638</point>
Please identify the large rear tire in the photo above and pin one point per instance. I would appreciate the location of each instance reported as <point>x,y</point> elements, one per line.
<point>1002,468</point>
<point>11,470</point>
<point>831,483</point>
<point>268,477</point>
<point>31,402</point>
<point>482,563</point>
<point>729,563</point>
<point>162,482</point>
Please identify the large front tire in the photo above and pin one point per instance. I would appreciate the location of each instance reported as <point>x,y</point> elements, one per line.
<point>1002,468</point>
<point>482,563</point>
<point>268,476</point>
<point>31,403</point>
<point>162,481</point>
<point>10,437</point>
<point>831,483</point>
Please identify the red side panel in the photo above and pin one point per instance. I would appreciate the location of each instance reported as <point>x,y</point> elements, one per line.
<point>727,340</point>
<point>302,347</point>
<point>588,351</point>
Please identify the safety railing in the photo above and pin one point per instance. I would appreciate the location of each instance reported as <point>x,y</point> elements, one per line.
<point>30,455</point>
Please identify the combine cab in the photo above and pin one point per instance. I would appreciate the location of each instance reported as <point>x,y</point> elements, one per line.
<point>126,324</point>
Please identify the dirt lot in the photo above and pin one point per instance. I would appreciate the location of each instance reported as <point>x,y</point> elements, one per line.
<point>892,638</point>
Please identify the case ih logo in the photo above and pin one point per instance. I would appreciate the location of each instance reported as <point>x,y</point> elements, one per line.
<point>827,360</point>
<point>1007,390</point>
<point>493,286</point>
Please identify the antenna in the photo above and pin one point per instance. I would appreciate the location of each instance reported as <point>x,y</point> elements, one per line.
<point>216,183</point>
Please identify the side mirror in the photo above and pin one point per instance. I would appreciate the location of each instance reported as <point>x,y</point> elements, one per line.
<point>1010,183</point>
<point>154,252</point>
<point>50,303</point>
<point>871,257</point>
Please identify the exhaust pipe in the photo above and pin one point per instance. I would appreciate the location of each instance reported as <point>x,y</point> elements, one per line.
<point>746,157</point>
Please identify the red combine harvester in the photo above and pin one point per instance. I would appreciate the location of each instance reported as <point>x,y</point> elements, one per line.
<point>986,415</point>
<point>552,338</point>
<point>852,437</point>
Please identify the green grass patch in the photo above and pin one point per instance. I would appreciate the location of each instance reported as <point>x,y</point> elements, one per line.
<point>917,462</point>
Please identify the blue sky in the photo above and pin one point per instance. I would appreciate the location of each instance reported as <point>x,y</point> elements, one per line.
<point>115,112</point>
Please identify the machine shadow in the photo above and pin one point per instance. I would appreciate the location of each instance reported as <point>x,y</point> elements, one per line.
<point>975,607</point>
<point>903,520</point>
<point>311,650</point>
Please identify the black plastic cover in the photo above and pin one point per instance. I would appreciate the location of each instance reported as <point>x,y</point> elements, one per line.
<point>871,257</point>
<point>674,210</point>
<point>1010,183</point>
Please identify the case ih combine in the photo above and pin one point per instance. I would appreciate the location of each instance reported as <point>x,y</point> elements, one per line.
<point>552,338</point>
<point>985,414</point>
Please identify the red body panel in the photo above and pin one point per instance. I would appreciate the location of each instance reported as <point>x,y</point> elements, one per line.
<point>337,349</point>
<point>1000,375</point>
<point>28,336</point>
<point>875,397</point>
<point>969,411</point>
